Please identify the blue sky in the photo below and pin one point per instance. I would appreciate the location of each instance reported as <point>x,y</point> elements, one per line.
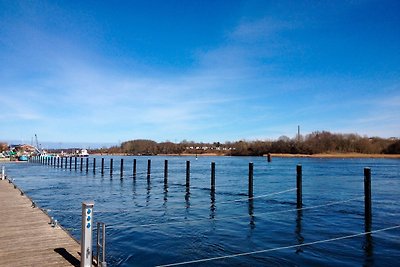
<point>111,71</point>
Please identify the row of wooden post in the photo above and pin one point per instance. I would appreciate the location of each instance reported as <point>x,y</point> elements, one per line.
<point>299,202</point>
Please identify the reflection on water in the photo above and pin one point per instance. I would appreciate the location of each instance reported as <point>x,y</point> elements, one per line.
<point>212,204</point>
<point>251,213</point>
<point>299,237</point>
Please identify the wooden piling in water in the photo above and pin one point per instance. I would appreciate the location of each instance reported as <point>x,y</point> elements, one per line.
<point>58,162</point>
<point>187,173</point>
<point>87,164</point>
<point>111,167</point>
<point>251,168</point>
<point>269,157</point>
<point>62,162</point>
<point>299,185</point>
<point>122,168</point>
<point>94,165</point>
<point>367,198</point>
<point>102,166</point>
<point>165,171</point>
<point>134,168</point>
<point>81,167</point>
<point>75,163</point>
<point>213,176</point>
<point>70,163</point>
<point>148,168</point>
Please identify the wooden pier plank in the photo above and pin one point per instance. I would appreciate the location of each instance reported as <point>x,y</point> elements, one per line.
<point>26,236</point>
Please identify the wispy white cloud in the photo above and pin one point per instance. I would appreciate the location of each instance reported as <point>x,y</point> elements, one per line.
<point>233,90</point>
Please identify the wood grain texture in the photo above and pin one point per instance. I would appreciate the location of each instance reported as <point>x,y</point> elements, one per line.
<point>26,236</point>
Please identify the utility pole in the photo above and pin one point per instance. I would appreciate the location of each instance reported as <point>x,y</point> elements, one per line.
<point>298,133</point>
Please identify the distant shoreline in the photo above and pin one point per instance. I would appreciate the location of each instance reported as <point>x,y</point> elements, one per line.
<point>275,155</point>
<point>336,155</point>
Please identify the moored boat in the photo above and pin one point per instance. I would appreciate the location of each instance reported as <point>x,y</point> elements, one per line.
<point>82,153</point>
<point>23,158</point>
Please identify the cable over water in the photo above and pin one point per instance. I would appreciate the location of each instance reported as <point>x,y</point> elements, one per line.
<point>280,248</point>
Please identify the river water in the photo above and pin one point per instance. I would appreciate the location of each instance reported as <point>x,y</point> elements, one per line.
<point>151,223</point>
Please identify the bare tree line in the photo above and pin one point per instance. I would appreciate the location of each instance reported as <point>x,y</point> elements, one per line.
<point>314,143</point>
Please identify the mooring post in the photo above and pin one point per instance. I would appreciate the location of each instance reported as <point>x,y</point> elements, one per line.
<point>367,198</point>
<point>87,164</point>
<point>148,168</point>
<point>111,167</point>
<point>299,185</point>
<point>213,176</point>
<point>58,162</point>
<point>102,166</point>
<point>70,163</point>
<point>134,168</point>
<point>86,234</point>
<point>66,162</point>
<point>122,168</point>
<point>94,165</point>
<point>3,173</point>
<point>75,163</point>
<point>251,167</point>
<point>187,173</point>
<point>81,164</point>
<point>165,171</point>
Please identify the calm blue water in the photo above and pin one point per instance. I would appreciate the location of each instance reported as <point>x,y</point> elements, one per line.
<point>152,224</point>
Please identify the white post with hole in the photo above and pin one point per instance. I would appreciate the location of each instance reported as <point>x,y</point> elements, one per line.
<point>86,235</point>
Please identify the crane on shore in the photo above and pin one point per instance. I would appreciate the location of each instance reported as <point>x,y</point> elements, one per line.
<point>37,144</point>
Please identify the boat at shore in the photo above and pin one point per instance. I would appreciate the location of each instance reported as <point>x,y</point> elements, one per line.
<point>83,153</point>
<point>23,158</point>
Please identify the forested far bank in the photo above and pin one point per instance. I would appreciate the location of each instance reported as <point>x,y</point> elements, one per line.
<point>314,143</point>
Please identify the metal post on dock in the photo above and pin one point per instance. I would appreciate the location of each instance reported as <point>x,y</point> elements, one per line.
<point>187,173</point>
<point>101,245</point>
<point>165,171</point>
<point>3,173</point>
<point>299,185</point>
<point>86,234</point>
<point>122,168</point>
<point>213,176</point>
<point>251,168</point>
<point>367,198</point>
<point>111,166</point>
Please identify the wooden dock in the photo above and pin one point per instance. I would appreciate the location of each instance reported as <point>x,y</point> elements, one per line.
<point>27,237</point>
